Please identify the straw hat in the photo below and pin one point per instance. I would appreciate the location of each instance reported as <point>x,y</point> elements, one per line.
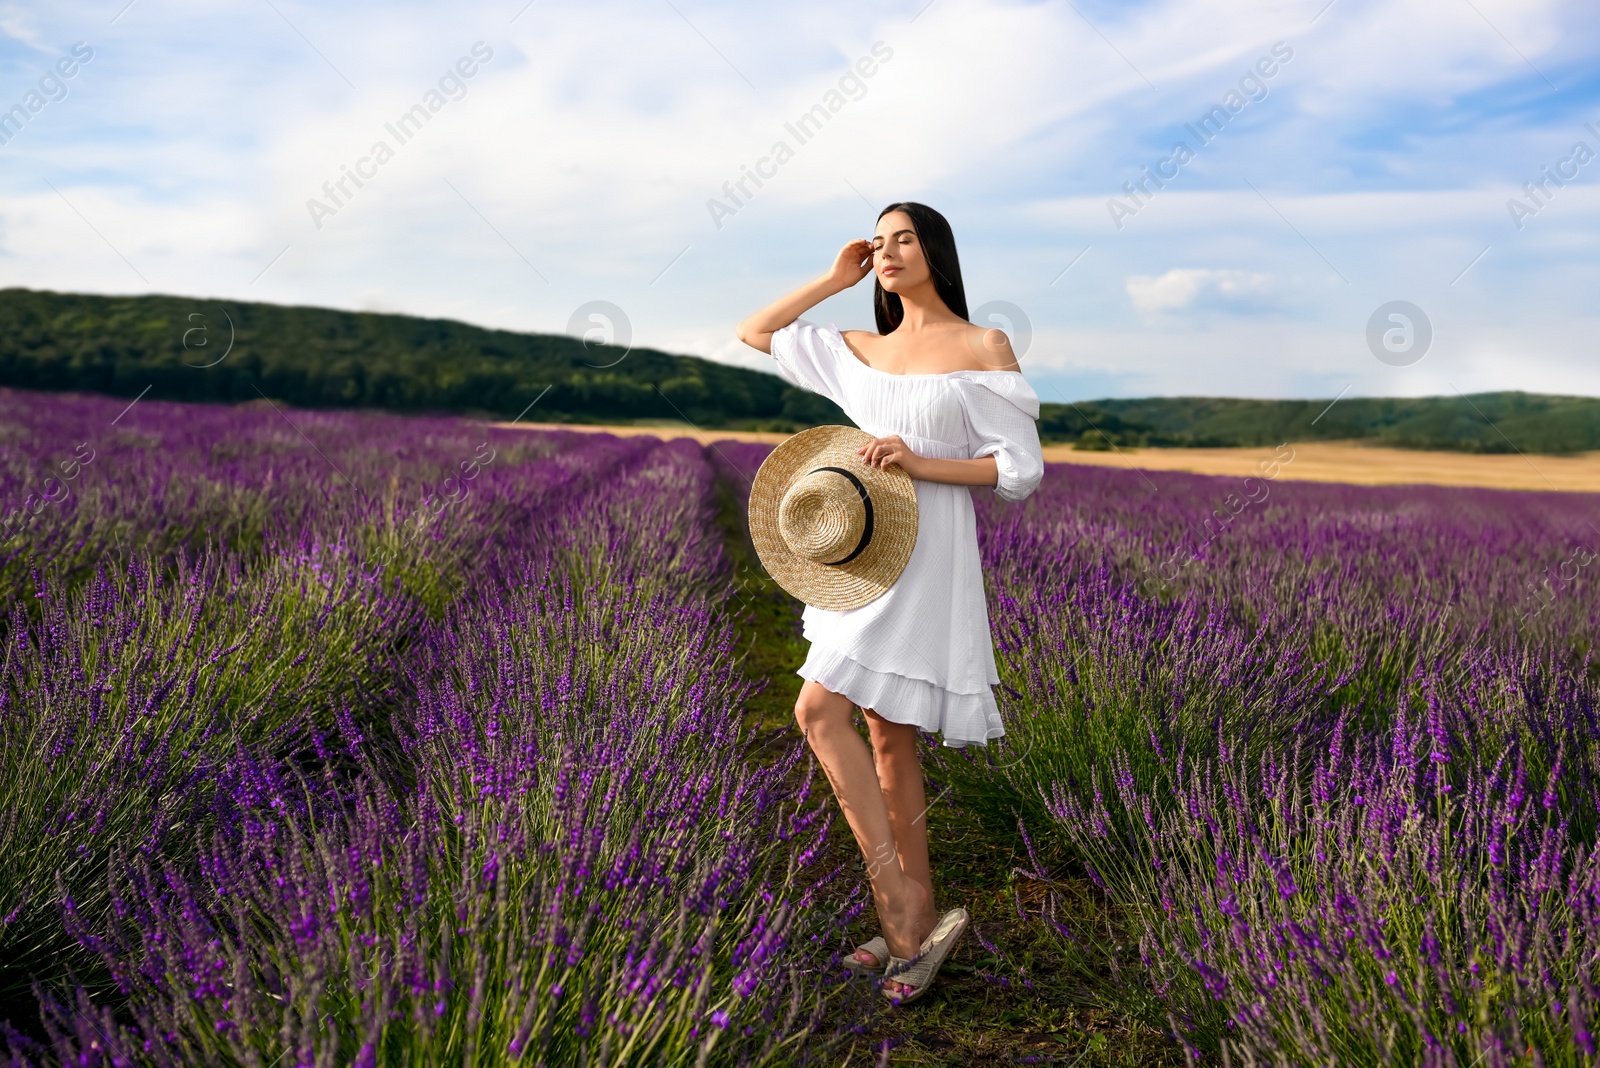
<point>831,530</point>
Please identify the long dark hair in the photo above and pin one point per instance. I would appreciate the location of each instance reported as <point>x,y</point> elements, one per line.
<point>939,248</point>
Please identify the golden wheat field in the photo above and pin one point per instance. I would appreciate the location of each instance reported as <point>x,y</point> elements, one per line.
<point>1323,461</point>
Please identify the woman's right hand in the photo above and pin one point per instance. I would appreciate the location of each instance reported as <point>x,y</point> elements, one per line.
<point>853,263</point>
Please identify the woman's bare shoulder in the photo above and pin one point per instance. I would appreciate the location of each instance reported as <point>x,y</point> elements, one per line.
<point>992,348</point>
<point>861,342</point>
<point>859,337</point>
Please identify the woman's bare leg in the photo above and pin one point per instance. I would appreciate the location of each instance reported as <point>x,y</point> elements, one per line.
<point>894,749</point>
<point>905,906</point>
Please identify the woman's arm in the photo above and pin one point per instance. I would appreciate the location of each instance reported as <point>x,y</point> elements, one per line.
<point>983,471</point>
<point>881,452</point>
<point>853,263</point>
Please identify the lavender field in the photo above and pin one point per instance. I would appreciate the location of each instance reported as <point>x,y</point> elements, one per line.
<point>347,738</point>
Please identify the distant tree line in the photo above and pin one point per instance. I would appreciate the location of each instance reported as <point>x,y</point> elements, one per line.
<point>1482,422</point>
<point>323,358</point>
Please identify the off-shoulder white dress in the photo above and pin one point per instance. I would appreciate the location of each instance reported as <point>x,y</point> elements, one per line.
<point>921,653</point>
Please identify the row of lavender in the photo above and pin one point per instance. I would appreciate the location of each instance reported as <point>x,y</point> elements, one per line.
<point>1335,749</point>
<point>343,738</point>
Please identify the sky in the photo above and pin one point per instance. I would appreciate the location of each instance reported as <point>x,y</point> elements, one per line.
<point>614,170</point>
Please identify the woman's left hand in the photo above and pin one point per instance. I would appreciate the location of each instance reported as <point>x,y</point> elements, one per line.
<point>881,452</point>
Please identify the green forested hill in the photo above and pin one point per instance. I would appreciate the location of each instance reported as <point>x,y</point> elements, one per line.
<point>1478,422</point>
<point>319,357</point>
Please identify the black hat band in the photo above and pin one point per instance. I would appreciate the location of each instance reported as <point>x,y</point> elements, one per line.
<point>866,502</point>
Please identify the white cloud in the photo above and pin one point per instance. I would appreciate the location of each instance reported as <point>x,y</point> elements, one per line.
<point>1183,287</point>
<point>592,141</point>
<point>17,24</point>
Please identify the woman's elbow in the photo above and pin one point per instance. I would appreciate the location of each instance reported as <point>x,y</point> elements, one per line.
<point>756,339</point>
<point>1019,484</point>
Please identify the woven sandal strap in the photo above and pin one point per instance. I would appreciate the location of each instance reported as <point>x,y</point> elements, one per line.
<point>917,975</point>
<point>876,946</point>
<point>921,973</point>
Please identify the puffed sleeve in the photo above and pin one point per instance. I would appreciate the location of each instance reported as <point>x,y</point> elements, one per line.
<point>808,356</point>
<point>1002,417</point>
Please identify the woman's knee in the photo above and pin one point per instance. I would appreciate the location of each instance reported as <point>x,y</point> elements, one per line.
<point>818,708</point>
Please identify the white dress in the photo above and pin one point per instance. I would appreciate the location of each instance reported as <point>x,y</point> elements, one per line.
<point>922,652</point>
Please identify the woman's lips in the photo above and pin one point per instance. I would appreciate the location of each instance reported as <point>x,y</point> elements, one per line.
<point>891,270</point>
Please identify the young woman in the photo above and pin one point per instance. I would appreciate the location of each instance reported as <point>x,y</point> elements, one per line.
<point>945,400</point>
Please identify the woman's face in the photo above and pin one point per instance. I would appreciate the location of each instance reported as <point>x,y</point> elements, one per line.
<point>897,253</point>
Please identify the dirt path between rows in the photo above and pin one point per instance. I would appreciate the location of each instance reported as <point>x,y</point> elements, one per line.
<point>977,1013</point>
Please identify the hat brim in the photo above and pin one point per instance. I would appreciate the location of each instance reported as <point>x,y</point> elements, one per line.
<point>894,503</point>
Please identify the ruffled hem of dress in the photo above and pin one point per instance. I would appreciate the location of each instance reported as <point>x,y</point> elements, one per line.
<point>963,718</point>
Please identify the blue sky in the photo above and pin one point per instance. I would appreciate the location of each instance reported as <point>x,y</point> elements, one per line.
<point>580,160</point>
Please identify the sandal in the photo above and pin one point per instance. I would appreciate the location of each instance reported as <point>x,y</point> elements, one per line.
<point>879,950</point>
<point>918,971</point>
